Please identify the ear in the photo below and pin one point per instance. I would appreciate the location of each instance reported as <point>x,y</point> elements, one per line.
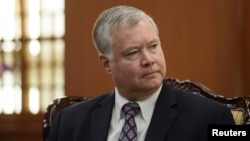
<point>104,61</point>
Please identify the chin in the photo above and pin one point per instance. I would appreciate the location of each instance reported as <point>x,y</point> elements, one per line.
<point>155,81</point>
<point>154,85</point>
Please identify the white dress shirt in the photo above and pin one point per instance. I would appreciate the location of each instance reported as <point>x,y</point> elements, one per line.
<point>142,119</point>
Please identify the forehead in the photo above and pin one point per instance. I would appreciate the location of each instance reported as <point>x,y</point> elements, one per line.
<point>142,31</point>
<point>129,23</point>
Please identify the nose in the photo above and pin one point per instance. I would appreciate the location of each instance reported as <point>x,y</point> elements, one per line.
<point>147,59</point>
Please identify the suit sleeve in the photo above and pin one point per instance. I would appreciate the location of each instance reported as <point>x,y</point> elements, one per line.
<point>224,116</point>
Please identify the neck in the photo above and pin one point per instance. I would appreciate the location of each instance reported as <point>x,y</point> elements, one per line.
<point>137,95</point>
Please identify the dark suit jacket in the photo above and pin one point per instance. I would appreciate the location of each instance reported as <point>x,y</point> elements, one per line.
<point>178,116</point>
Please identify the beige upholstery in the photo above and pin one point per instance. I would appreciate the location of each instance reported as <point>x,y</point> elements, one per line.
<point>238,115</point>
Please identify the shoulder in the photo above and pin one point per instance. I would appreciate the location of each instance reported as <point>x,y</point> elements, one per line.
<point>183,96</point>
<point>90,104</point>
<point>188,100</point>
<point>196,100</point>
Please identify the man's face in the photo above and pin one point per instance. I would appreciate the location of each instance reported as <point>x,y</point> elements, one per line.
<point>138,63</point>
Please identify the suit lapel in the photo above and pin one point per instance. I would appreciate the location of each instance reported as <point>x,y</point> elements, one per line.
<point>163,116</point>
<point>99,128</point>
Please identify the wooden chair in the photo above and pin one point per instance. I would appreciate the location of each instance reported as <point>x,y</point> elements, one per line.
<point>55,106</point>
<point>240,106</point>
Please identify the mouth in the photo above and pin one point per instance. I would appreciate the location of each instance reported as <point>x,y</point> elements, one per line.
<point>149,74</point>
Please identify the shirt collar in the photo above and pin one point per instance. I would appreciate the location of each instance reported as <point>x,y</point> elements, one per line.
<point>146,106</point>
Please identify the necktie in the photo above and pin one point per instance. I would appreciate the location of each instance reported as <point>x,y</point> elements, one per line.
<point>129,129</point>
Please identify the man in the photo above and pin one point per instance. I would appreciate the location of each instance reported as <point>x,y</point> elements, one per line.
<point>129,49</point>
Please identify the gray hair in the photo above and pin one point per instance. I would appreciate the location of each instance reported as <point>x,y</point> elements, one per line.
<point>112,19</point>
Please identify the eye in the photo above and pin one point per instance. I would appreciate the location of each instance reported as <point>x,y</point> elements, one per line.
<point>153,47</point>
<point>131,53</point>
